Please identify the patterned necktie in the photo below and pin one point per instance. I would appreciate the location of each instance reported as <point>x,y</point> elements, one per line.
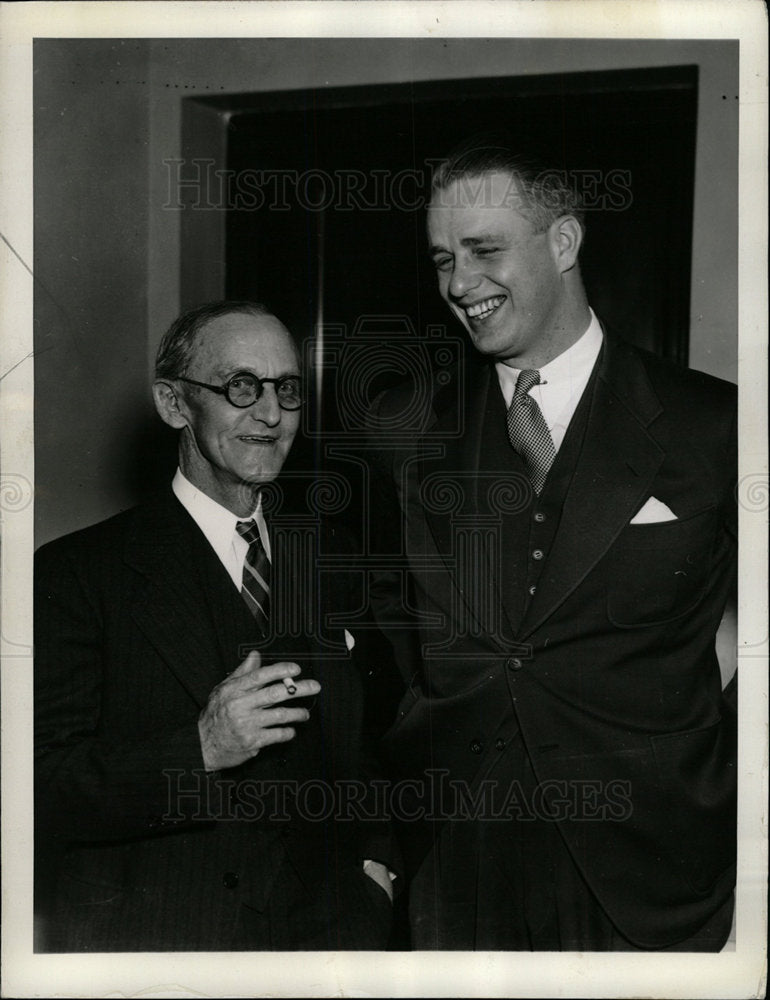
<point>528,432</point>
<point>255,588</point>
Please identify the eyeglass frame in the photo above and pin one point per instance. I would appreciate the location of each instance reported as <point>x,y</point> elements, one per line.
<point>224,390</point>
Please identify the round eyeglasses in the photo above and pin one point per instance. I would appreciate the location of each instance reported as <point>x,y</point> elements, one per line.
<point>244,389</point>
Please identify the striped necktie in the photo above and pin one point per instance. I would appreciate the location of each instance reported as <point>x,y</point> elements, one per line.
<point>255,588</point>
<point>528,431</point>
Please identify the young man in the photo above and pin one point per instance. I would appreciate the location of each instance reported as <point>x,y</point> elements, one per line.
<point>569,523</point>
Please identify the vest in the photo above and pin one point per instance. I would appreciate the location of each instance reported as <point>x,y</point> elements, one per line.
<point>527,531</point>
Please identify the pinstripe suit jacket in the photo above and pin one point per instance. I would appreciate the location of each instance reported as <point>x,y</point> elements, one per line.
<point>137,847</point>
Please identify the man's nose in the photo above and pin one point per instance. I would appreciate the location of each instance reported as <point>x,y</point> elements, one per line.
<point>465,277</point>
<point>266,408</point>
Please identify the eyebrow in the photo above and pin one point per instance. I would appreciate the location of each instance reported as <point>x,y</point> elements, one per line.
<point>472,241</point>
<point>228,373</point>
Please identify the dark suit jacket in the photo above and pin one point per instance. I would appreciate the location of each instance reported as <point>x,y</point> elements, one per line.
<point>138,848</point>
<point>611,675</point>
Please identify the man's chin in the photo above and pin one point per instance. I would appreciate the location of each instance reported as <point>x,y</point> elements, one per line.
<point>253,480</point>
<point>491,344</point>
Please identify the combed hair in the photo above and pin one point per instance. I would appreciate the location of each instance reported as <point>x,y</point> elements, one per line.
<point>543,188</point>
<point>176,347</point>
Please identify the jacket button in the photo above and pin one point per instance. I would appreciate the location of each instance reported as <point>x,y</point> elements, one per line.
<point>532,590</point>
<point>230,880</point>
<point>477,746</point>
<point>540,517</point>
<point>514,663</point>
<point>499,744</point>
<point>537,554</point>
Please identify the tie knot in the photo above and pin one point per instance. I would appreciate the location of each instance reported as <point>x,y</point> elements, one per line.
<point>525,381</point>
<point>248,530</point>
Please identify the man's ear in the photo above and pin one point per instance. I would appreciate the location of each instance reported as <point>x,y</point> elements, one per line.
<point>169,404</point>
<point>566,235</point>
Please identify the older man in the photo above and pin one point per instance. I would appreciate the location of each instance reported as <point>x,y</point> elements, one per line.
<point>191,746</point>
<point>570,529</point>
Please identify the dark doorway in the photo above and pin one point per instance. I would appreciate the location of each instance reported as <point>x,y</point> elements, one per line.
<point>326,193</point>
<point>353,163</point>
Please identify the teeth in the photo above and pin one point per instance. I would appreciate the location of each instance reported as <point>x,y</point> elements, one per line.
<point>480,310</point>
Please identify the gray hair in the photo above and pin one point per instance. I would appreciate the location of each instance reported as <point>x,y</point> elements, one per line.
<point>176,348</point>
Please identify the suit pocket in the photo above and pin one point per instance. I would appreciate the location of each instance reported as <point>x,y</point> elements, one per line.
<point>658,572</point>
<point>697,780</point>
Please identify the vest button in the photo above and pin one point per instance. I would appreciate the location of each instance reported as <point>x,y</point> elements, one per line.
<point>514,663</point>
<point>499,744</point>
<point>537,554</point>
<point>477,746</point>
<point>230,880</point>
<point>540,517</point>
<point>532,589</point>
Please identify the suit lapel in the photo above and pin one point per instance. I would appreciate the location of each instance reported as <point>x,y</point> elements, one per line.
<point>448,483</point>
<point>450,490</point>
<point>613,476</point>
<point>173,612</point>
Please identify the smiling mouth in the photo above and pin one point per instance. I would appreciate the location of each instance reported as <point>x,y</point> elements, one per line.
<point>257,439</point>
<point>485,308</point>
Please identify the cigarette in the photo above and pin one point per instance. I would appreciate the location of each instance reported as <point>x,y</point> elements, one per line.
<point>290,686</point>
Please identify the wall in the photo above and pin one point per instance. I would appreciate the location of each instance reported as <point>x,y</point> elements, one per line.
<point>108,246</point>
<point>91,237</point>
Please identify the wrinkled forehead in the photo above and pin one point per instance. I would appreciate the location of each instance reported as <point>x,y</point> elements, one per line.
<point>474,209</point>
<point>494,190</point>
<point>245,335</point>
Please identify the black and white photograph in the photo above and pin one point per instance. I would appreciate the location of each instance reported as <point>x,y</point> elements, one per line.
<point>384,499</point>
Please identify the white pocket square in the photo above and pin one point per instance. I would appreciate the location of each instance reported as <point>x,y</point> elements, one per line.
<point>654,511</point>
<point>349,640</point>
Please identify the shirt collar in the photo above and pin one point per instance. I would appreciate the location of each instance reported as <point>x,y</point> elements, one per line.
<point>215,521</point>
<point>578,360</point>
<point>571,365</point>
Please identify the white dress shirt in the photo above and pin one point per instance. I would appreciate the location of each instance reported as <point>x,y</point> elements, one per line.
<point>218,525</point>
<point>562,381</point>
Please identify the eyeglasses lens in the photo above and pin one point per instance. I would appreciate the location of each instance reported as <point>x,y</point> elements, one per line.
<point>244,390</point>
